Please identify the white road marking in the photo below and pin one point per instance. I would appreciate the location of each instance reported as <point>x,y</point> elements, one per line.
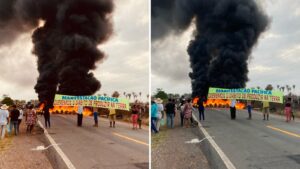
<point>58,149</point>
<point>223,156</point>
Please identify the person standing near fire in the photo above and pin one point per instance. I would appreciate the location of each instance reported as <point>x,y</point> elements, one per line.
<point>112,118</point>
<point>47,115</point>
<point>14,116</point>
<point>79,115</point>
<point>95,114</point>
<point>232,109</point>
<point>201,109</point>
<point>266,106</point>
<point>249,107</point>
<point>30,118</point>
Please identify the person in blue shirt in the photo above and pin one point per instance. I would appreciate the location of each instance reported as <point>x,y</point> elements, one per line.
<point>153,116</point>
<point>95,113</point>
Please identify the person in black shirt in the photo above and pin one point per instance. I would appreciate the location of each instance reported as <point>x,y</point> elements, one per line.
<point>47,115</point>
<point>14,116</point>
<point>170,111</point>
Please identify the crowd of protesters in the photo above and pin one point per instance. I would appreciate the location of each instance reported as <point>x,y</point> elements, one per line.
<point>12,117</point>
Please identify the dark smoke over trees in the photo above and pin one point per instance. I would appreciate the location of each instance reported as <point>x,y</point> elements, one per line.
<point>65,44</point>
<point>226,31</point>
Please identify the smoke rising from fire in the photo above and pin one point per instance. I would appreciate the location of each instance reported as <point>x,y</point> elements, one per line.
<point>65,45</point>
<point>226,31</point>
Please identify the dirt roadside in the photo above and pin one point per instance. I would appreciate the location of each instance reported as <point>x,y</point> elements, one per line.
<point>170,150</point>
<point>15,151</point>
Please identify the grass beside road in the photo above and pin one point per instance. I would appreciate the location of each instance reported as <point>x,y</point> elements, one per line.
<point>157,139</point>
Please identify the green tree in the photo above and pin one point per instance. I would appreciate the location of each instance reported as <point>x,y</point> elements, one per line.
<point>8,101</point>
<point>269,87</point>
<point>161,94</point>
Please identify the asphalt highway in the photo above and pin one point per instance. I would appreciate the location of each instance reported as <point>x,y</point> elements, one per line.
<point>255,144</point>
<point>90,147</point>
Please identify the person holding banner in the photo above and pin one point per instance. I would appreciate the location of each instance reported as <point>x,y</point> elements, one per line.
<point>266,106</point>
<point>80,115</point>
<point>112,118</point>
<point>232,109</point>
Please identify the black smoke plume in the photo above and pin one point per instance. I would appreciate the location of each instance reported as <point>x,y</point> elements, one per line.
<point>226,31</point>
<point>65,44</point>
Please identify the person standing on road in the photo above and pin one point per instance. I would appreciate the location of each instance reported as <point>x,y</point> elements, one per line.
<point>140,113</point>
<point>249,107</point>
<point>134,116</point>
<point>20,117</point>
<point>232,109</point>
<point>188,107</point>
<point>182,112</point>
<point>153,116</point>
<point>79,115</point>
<point>170,111</point>
<point>95,114</point>
<point>160,109</point>
<point>112,117</point>
<point>30,118</point>
<point>288,110</point>
<point>4,118</point>
<point>47,115</point>
<point>201,107</point>
<point>266,106</point>
<point>14,116</point>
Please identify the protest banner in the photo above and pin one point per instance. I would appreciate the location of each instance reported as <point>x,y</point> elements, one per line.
<point>92,101</point>
<point>246,94</point>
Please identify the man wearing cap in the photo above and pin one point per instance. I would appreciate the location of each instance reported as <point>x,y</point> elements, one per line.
<point>160,109</point>
<point>4,114</point>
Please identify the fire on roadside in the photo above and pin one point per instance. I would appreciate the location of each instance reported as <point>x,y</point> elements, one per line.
<point>67,110</point>
<point>218,103</point>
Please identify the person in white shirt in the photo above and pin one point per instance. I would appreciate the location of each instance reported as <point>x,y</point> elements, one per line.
<point>80,115</point>
<point>4,114</point>
<point>232,109</point>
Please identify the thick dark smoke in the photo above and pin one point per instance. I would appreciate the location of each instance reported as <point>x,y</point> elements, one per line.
<point>226,31</point>
<point>66,43</point>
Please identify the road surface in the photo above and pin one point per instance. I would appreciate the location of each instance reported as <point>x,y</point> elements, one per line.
<point>255,144</point>
<point>89,147</point>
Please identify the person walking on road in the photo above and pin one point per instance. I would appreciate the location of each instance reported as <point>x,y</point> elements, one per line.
<point>30,118</point>
<point>249,107</point>
<point>4,118</point>
<point>233,109</point>
<point>95,114</point>
<point>112,117</point>
<point>188,107</point>
<point>266,111</point>
<point>170,111</point>
<point>288,110</point>
<point>14,116</point>
<point>79,115</point>
<point>153,116</point>
<point>134,116</point>
<point>160,109</point>
<point>201,109</point>
<point>20,117</point>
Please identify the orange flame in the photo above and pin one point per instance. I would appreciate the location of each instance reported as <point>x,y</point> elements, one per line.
<point>69,110</point>
<point>219,103</point>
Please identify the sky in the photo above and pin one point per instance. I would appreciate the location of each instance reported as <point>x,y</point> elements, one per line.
<point>274,60</point>
<point>125,69</point>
